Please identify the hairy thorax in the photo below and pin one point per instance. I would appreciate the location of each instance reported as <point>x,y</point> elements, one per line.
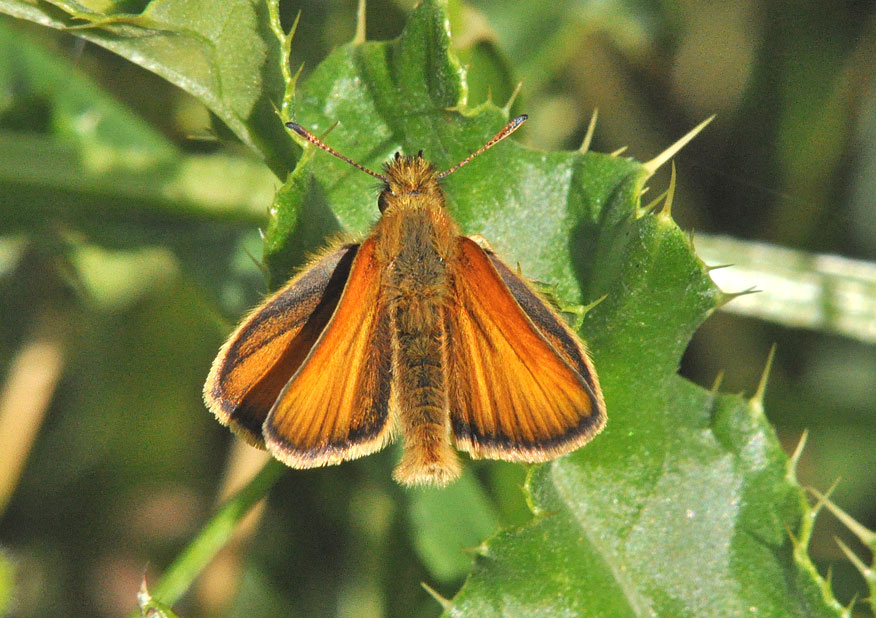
<point>417,238</point>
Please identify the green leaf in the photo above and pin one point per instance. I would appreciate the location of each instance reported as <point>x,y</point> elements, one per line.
<point>98,162</point>
<point>73,158</point>
<point>409,94</point>
<point>47,178</point>
<point>223,52</point>
<point>448,523</point>
<point>683,506</point>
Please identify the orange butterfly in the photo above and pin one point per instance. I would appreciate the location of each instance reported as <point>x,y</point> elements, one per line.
<point>417,330</point>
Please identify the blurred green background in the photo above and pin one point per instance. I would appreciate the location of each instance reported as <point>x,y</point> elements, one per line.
<point>114,302</point>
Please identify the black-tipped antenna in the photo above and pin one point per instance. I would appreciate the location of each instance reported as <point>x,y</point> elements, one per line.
<point>508,130</point>
<point>310,137</point>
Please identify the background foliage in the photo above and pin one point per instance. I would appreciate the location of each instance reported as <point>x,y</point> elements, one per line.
<point>122,268</point>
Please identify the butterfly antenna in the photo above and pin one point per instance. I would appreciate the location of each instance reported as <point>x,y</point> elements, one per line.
<point>508,130</point>
<point>310,137</point>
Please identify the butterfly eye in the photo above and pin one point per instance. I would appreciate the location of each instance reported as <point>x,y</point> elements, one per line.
<point>382,202</point>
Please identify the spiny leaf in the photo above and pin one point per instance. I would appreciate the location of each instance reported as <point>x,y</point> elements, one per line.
<point>682,507</point>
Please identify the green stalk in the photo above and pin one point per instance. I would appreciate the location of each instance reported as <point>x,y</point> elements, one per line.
<point>825,293</point>
<point>213,536</point>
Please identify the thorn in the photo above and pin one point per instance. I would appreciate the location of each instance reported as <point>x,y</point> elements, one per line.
<point>585,309</point>
<point>483,549</point>
<point>300,66</point>
<point>795,456</point>
<point>447,604</point>
<point>359,37</point>
<point>666,212</point>
<point>294,27</point>
<point>717,267</point>
<point>866,536</point>
<point>619,151</point>
<point>717,383</point>
<point>652,205</point>
<point>330,129</point>
<point>811,513</point>
<point>726,297</point>
<point>757,399</point>
<point>512,98</point>
<point>540,514</point>
<point>478,550</point>
<point>654,164</point>
<point>287,39</point>
<point>865,571</point>
<point>821,498</point>
<point>591,128</point>
<point>254,259</point>
<point>527,493</point>
<point>577,313</point>
<point>143,596</point>
<point>847,610</point>
<point>794,540</point>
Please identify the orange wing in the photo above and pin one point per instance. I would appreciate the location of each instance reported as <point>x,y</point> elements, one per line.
<point>520,385</point>
<point>269,346</point>
<point>551,326</point>
<point>336,406</point>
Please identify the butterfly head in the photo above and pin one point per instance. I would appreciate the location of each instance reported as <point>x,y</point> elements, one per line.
<point>408,178</point>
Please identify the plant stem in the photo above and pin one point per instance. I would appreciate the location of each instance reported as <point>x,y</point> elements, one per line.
<point>214,535</point>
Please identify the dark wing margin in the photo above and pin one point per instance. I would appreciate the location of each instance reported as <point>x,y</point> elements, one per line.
<point>269,346</point>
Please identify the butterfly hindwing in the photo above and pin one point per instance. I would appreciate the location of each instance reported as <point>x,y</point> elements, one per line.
<point>520,387</point>
<point>269,346</point>
<point>336,407</point>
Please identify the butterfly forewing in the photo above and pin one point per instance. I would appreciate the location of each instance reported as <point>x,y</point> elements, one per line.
<point>512,394</point>
<point>336,407</point>
<point>269,346</point>
<point>551,326</point>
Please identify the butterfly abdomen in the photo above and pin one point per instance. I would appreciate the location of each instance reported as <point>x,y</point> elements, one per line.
<point>418,288</point>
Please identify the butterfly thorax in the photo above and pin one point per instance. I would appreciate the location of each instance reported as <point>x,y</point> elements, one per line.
<point>414,224</point>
